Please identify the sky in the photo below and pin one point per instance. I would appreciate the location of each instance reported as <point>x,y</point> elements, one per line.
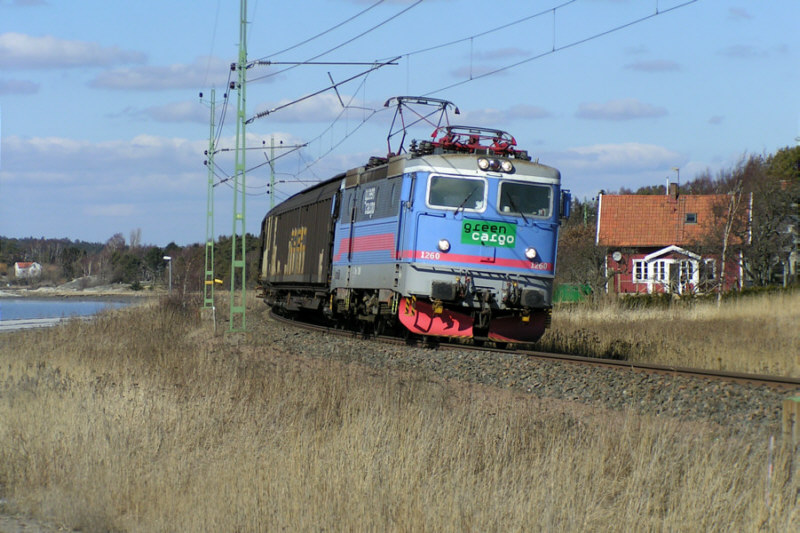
<point>103,130</point>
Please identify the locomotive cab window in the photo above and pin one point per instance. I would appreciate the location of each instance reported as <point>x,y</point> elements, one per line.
<point>532,199</point>
<point>466,194</point>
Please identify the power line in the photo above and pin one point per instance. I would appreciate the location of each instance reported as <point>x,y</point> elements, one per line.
<point>372,112</point>
<point>487,32</point>
<point>376,66</point>
<point>560,48</point>
<point>496,71</point>
<point>328,51</point>
<point>336,26</point>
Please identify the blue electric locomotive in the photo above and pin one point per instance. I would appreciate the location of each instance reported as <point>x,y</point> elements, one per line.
<point>456,237</point>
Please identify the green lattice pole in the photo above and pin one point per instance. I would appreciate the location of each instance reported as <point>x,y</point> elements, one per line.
<point>208,287</point>
<point>238,272</point>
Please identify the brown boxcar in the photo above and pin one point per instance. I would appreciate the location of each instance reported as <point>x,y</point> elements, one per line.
<point>296,243</point>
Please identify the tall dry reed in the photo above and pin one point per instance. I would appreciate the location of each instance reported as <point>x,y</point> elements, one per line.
<point>144,420</point>
<point>756,334</point>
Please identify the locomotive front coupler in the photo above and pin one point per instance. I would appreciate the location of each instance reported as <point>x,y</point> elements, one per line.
<point>485,313</point>
<point>371,303</point>
<point>463,286</point>
<point>511,293</point>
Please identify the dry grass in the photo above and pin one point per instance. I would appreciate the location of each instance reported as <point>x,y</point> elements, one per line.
<point>144,420</point>
<point>756,334</point>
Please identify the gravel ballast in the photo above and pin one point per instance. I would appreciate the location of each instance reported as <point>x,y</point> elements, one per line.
<point>740,407</point>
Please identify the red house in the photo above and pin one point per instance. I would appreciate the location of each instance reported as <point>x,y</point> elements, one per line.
<point>668,243</point>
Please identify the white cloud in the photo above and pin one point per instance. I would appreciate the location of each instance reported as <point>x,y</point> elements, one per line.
<point>588,169</point>
<point>178,112</point>
<point>21,51</point>
<point>18,87</point>
<point>624,109</point>
<point>49,159</point>
<point>476,71</point>
<point>323,107</point>
<point>743,51</point>
<point>491,117</point>
<point>202,72</point>
<point>625,157</point>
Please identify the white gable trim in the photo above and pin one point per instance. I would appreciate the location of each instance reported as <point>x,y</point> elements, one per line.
<point>670,249</point>
<point>599,213</point>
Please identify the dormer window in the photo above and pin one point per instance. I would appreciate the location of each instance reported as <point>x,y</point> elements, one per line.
<point>690,218</point>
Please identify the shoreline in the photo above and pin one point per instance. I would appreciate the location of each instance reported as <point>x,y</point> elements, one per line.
<point>20,324</point>
<point>104,295</point>
<point>103,292</point>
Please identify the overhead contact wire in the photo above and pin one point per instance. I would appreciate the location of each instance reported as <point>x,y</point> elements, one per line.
<point>373,28</point>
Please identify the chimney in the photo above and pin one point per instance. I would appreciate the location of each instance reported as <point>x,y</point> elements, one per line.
<point>673,191</point>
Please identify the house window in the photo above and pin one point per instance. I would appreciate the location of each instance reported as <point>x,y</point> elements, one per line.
<point>690,218</point>
<point>687,271</point>
<point>639,271</point>
<point>658,271</point>
<point>709,269</point>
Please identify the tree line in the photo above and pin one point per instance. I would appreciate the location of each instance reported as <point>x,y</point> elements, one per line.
<point>121,261</point>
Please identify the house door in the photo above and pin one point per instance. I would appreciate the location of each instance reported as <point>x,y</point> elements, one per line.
<point>687,276</point>
<point>674,278</point>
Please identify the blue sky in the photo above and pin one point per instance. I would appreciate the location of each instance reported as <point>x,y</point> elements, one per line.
<point>102,130</point>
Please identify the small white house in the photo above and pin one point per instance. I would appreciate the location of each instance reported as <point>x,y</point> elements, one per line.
<point>27,269</point>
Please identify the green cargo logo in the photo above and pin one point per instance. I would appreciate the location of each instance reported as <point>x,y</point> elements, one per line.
<point>488,233</point>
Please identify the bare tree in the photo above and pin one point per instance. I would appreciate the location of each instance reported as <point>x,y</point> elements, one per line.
<point>732,217</point>
<point>135,240</point>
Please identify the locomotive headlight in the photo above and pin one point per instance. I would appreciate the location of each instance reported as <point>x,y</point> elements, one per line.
<point>530,253</point>
<point>483,163</point>
<point>506,166</point>
<point>444,245</point>
<point>494,164</point>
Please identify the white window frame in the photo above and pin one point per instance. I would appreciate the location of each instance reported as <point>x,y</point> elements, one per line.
<point>710,269</point>
<point>688,270</point>
<point>639,271</point>
<point>659,271</point>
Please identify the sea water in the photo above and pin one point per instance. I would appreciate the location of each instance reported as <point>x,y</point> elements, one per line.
<point>27,308</point>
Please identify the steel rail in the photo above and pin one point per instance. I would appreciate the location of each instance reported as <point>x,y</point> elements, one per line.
<point>777,382</point>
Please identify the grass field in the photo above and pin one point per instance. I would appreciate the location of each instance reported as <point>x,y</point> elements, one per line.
<point>757,334</point>
<point>145,420</point>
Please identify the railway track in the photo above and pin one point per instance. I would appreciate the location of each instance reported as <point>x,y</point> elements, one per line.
<point>781,383</point>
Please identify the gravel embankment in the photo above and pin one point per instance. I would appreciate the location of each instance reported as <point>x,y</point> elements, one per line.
<point>739,407</point>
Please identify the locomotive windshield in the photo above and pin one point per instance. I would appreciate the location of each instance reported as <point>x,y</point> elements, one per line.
<point>525,199</point>
<point>456,193</point>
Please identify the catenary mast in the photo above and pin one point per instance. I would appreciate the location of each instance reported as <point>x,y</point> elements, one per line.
<point>238,272</point>
<point>208,285</point>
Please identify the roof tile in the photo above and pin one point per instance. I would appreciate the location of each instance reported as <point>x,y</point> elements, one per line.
<point>658,220</point>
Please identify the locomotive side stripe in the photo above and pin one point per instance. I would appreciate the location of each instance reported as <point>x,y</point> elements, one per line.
<point>385,242</point>
<point>475,260</point>
<point>366,243</point>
